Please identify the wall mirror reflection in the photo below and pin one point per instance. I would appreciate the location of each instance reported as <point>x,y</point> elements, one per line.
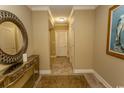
<point>11,40</point>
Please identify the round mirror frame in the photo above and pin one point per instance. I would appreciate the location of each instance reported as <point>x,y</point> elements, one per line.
<point>7,58</point>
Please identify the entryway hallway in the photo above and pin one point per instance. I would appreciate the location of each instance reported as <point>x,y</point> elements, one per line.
<point>62,76</point>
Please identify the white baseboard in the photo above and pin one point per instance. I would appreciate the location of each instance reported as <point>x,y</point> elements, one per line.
<point>83,71</point>
<point>45,71</point>
<point>38,80</point>
<point>102,80</point>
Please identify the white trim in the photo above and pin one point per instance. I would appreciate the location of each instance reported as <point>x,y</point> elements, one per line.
<point>75,7</point>
<point>83,71</point>
<point>45,71</point>
<point>85,7</point>
<point>70,16</point>
<point>39,7</point>
<point>102,80</point>
<point>51,17</point>
<point>36,82</point>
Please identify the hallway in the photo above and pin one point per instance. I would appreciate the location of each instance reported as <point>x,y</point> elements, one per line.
<point>62,76</point>
<point>62,46</point>
<point>61,66</point>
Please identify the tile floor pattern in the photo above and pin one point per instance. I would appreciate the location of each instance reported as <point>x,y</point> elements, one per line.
<point>62,76</point>
<point>63,81</point>
<point>61,66</point>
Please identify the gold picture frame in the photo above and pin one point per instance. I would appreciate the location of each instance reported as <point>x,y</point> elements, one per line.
<point>115,37</point>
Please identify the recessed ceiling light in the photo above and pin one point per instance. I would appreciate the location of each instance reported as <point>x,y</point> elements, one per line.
<point>61,19</point>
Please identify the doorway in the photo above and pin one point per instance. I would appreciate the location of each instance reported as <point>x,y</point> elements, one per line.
<point>61,43</point>
<point>59,50</point>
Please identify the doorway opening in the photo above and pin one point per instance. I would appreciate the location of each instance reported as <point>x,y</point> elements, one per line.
<point>59,50</point>
<point>61,43</point>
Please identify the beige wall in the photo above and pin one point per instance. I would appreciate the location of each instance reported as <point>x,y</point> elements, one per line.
<point>41,38</point>
<point>25,15</point>
<point>110,68</point>
<point>52,43</point>
<point>84,38</point>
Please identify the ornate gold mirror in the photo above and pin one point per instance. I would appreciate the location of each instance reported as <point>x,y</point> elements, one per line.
<point>13,38</point>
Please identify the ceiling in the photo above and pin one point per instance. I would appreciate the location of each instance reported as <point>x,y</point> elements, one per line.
<point>60,11</point>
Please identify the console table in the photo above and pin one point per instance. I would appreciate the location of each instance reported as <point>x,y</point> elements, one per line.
<point>23,76</point>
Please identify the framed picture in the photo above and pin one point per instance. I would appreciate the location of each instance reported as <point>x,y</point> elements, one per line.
<point>115,38</point>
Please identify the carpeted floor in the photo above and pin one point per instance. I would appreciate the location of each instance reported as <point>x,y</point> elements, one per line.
<point>63,81</point>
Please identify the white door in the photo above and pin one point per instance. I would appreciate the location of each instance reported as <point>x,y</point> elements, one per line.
<point>61,43</point>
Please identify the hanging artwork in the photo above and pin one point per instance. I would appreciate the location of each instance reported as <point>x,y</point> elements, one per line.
<point>115,38</point>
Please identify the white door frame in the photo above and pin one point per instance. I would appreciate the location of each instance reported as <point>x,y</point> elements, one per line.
<point>61,44</point>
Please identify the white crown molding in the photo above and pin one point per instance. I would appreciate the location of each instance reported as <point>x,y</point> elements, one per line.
<point>82,7</point>
<point>70,16</point>
<point>42,8</point>
<point>46,7</point>
<point>85,7</point>
<point>38,7</point>
<point>51,17</point>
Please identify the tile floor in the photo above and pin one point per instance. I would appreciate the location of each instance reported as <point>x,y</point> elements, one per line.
<point>63,81</point>
<point>62,66</point>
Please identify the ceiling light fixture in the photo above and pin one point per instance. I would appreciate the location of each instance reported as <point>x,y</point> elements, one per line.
<point>61,19</point>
